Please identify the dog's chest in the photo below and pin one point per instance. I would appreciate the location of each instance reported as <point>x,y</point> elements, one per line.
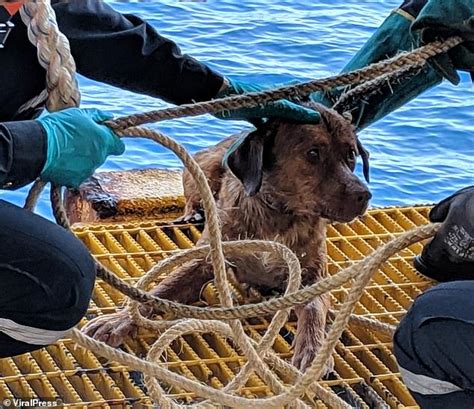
<point>260,224</point>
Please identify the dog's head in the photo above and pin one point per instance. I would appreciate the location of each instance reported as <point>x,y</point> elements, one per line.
<point>305,169</point>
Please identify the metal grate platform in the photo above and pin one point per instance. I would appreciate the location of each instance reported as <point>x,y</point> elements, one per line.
<point>366,373</point>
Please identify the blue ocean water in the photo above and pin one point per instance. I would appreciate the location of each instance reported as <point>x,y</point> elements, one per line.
<point>419,154</point>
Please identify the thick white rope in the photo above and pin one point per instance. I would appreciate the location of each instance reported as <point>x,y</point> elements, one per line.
<point>54,55</point>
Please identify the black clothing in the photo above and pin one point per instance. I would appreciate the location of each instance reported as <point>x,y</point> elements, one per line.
<point>22,153</point>
<point>413,7</point>
<point>121,50</point>
<point>434,349</point>
<point>46,275</point>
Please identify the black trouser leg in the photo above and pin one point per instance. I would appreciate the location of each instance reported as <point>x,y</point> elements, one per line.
<point>434,347</point>
<point>46,280</point>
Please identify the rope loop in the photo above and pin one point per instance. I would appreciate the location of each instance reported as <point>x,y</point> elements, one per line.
<point>55,56</point>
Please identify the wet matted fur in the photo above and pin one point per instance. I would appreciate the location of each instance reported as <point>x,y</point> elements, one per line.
<point>284,182</point>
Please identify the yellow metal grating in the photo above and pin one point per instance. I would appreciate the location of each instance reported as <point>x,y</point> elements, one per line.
<point>366,374</point>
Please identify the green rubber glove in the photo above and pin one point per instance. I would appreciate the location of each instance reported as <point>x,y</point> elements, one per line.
<point>392,37</point>
<point>77,145</point>
<point>279,109</point>
<point>432,20</point>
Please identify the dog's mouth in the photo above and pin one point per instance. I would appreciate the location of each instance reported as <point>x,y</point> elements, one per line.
<point>343,216</point>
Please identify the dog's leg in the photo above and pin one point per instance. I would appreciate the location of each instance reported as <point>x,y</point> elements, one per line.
<point>310,333</point>
<point>267,274</point>
<point>193,211</point>
<point>210,161</point>
<point>183,285</point>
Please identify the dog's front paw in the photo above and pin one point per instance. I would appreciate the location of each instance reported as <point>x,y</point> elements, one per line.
<point>328,368</point>
<point>304,356</point>
<point>111,328</point>
<point>250,294</point>
<point>195,216</point>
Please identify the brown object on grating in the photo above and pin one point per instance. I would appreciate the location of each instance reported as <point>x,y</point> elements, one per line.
<point>269,194</point>
<point>127,195</point>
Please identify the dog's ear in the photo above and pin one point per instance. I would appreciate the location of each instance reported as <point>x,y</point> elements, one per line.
<point>245,160</point>
<point>364,154</point>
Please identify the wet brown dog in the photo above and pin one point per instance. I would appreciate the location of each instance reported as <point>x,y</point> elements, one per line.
<point>286,181</point>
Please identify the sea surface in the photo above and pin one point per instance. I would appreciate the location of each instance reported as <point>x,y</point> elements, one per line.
<point>419,154</point>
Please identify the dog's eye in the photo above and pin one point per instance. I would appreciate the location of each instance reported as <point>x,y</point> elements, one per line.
<point>313,155</point>
<point>351,156</point>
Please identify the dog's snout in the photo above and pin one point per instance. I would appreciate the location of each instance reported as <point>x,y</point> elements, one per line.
<point>363,196</point>
<point>358,192</point>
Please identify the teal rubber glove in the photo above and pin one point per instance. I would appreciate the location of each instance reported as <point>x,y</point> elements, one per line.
<point>279,109</point>
<point>392,37</point>
<point>77,144</point>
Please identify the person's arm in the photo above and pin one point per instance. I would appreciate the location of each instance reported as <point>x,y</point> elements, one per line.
<point>64,147</point>
<point>413,24</point>
<point>22,153</point>
<point>125,51</point>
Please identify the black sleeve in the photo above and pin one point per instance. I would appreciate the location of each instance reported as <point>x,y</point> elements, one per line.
<point>413,7</point>
<point>124,51</point>
<point>22,153</point>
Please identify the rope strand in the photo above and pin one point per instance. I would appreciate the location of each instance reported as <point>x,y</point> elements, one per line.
<point>54,55</point>
<point>416,58</point>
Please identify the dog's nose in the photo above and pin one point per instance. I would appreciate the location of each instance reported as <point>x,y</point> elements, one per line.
<point>363,196</point>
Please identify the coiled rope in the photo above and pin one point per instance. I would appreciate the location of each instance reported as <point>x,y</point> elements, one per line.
<point>54,55</point>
